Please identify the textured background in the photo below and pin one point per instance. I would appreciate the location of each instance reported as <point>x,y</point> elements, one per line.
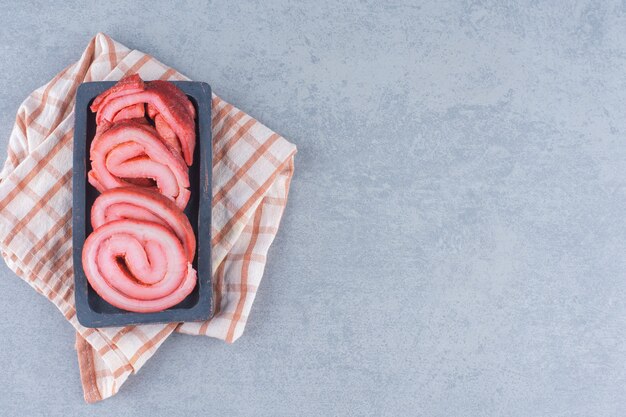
<point>454,242</point>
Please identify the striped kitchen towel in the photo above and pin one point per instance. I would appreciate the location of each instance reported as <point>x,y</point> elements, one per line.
<point>252,169</point>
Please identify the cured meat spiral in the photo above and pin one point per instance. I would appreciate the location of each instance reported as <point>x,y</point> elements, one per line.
<point>135,111</point>
<point>138,257</point>
<point>127,85</point>
<point>132,153</point>
<point>136,203</point>
<point>140,253</point>
<point>128,99</point>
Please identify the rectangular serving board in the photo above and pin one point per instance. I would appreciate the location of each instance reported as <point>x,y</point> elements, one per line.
<point>91,309</point>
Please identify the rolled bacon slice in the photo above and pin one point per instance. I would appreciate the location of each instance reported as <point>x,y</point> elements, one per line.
<point>135,111</point>
<point>162,98</point>
<point>129,153</point>
<point>138,265</point>
<point>136,203</point>
<point>169,88</point>
<point>166,133</point>
<point>127,85</point>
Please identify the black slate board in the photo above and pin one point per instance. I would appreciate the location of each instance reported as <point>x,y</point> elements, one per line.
<point>91,309</point>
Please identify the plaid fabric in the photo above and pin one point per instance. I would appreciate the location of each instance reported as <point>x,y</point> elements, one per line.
<point>252,168</point>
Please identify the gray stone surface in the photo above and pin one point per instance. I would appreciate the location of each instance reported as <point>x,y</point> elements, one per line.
<point>454,242</point>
